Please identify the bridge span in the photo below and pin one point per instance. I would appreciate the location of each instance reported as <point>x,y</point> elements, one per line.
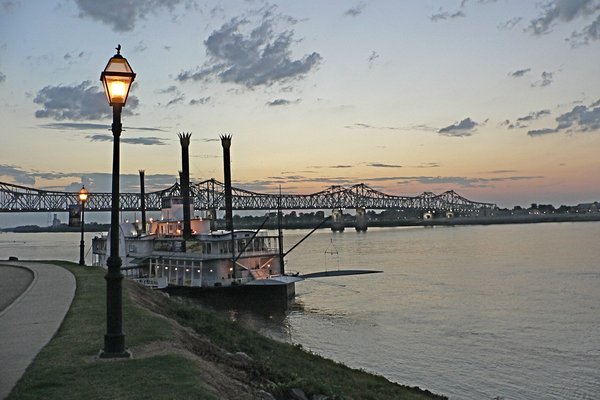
<point>210,195</point>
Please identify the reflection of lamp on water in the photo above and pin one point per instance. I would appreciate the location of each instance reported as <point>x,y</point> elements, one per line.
<point>83,195</point>
<point>117,78</point>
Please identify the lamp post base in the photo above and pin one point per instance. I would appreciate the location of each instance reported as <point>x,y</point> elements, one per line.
<point>81,253</point>
<point>104,355</point>
<point>113,345</point>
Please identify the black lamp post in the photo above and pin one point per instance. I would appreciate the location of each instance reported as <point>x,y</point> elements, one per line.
<point>83,195</point>
<point>117,78</point>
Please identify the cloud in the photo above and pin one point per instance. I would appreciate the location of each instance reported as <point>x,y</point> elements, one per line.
<point>462,180</point>
<point>371,60</point>
<point>519,73</point>
<point>381,165</point>
<point>278,102</point>
<point>76,126</point>
<point>428,165</point>
<point>2,77</point>
<point>282,102</point>
<point>147,141</point>
<point>587,34</point>
<point>78,103</point>
<point>546,79</point>
<point>540,132</point>
<point>176,100</point>
<point>444,15</point>
<point>9,5</point>
<point>522,122</point>
<point>17,174</point>
<point>339,166</point>
<point>502,171</point>
<point>463,3</point>
<point>272,183</point>
<point>140,47</point>
<point>170,89</point>
<point>88,126</point>
<point>465,127</point>
<point>420,127</point>
<point>260,57</point>
<point>201,100</point>
<point>355,11</point>
<point>532,116</point>
<point>511,23</point>
<point>99,182</point>
<point>561,11</point>
<point>580,119</point>
<point>139,128</point>
<point>122,15</point>
<point>73,56</point>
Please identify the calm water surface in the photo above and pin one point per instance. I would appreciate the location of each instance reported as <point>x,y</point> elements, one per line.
<point>473,312</point>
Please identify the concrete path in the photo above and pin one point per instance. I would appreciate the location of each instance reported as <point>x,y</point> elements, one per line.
<point>31,320</point>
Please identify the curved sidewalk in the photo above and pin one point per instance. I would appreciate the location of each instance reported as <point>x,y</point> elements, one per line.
<point>29,322</point>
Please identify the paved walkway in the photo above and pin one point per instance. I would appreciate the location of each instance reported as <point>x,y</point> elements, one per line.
<point>31,320</point>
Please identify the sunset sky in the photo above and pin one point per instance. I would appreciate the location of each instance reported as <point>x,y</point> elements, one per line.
<point>497,100</point>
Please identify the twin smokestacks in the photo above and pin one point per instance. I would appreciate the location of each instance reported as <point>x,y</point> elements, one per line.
<point>184,140</point>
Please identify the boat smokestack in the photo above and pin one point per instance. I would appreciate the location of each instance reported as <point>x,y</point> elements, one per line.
<point>226,143</point>
<point>184,139</point>
<point>143,200</point>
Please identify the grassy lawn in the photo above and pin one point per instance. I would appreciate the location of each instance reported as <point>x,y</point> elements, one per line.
<point>67,368</point>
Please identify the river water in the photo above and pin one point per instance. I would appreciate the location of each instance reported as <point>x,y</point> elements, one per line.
<point>472,312</point>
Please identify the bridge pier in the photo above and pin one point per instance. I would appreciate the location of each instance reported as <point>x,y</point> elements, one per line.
<point>337,220</point>
<point>361,220</point>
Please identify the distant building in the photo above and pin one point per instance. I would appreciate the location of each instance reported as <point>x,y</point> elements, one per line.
<point>55,221</point>
<point>588,207</point>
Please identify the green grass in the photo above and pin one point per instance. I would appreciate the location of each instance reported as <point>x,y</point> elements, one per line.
<point>67,368</point>
<point>289,366</point>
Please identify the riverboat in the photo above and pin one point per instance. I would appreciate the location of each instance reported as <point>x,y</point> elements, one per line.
<point>206,261</point>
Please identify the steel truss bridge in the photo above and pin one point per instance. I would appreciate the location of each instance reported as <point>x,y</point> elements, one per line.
<point>210,195</point>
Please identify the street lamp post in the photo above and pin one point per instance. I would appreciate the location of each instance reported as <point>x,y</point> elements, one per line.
<point>117,78</point>
<point>83,195</point>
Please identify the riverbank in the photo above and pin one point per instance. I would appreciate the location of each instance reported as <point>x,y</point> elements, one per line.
<point>349,223</point>
<point>183,351</point>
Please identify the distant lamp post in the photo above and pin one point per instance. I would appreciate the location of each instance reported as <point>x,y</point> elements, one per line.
<point>83,196</point>
<point>117,78</point>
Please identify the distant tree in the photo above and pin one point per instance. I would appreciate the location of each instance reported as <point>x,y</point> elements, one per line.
<point>546,208</point>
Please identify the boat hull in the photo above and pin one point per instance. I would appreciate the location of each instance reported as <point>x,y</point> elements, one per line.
<point>268,296</point>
